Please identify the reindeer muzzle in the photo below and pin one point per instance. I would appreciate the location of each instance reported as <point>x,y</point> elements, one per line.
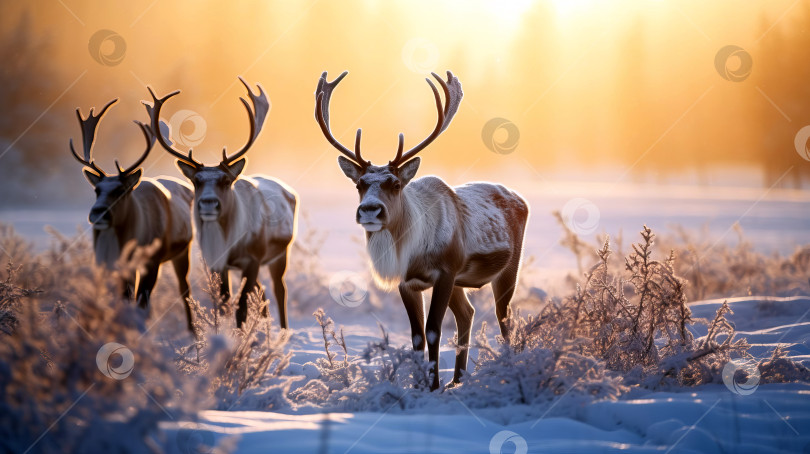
<point>208,209</point>
<point>100,218</point>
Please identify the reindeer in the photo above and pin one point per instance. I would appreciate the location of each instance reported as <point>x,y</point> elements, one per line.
<point>131,209</point>
<point>242,222</point>
<point>424,233</point>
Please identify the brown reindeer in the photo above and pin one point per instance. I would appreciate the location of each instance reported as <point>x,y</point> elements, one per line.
<point>131,209</point>
<point>424,233</point>
<point>242,222</point>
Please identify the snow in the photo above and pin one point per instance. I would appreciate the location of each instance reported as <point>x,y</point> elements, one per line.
<point>773,418</point>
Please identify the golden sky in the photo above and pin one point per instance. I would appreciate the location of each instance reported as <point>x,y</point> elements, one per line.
<point>629,86</point>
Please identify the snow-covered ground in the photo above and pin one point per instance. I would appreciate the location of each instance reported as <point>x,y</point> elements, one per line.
<point>755,418</point>
<point>709,418</point>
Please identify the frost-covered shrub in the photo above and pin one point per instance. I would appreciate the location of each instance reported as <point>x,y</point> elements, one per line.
<point>719,270</point>
<point>534,369</point>
<point>383,376</point>
<point>781,369</point>
<point>86,375</point>
<point>243,365</point>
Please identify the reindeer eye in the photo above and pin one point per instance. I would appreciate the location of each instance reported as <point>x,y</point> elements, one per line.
<point>391,185</point>
<point>97,191</point>
<point>362,185</point>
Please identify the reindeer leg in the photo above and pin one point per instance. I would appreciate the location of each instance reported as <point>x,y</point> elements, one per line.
<point>249,275</point>
<point>463,311</point>
<point>503,287</point>
<point>415,307</point>
<point>442,291</point>
<point>224,290</point>
<point>146,283</point>
<point>278,267</point>
<point>181,265</point>
<point>128,291</point>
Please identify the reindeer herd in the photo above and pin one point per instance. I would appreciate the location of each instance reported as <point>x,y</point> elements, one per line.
<point>420,234</point>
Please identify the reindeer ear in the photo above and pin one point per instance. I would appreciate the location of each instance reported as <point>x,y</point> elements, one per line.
<point>132,180</point>
<point>237,167</point>
<point>350,169</point>
<point>408,170</point>
<point>92,177</point>
<point>188,170</point>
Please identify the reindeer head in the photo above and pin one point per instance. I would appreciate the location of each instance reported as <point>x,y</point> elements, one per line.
<point>213,195</point>
<point>112,191</point>
<point>380,187</point>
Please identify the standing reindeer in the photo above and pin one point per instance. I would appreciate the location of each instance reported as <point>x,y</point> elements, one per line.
<point>242,222</point>
<point>424,233</point>
<point>132,209</point>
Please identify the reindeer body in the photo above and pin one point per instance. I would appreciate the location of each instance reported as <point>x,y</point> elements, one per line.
<point>475,229</point>
<point>241,222</point>
<point>132,210</point>
<point>450,239</point>
<point>424,234</point>
<point>257,229</point>
<point>155,210</point>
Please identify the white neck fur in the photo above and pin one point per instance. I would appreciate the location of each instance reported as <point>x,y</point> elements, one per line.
<point>106,248</point>
<point>212,245</point>
<point>389,263</point>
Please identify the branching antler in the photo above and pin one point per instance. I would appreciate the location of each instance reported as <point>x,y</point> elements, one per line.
<point>452,95</point>
<point>88,126</point>
<point>150,142</point>
<point>256,117</point>
<point>154,115</point>
<point>323,94</point>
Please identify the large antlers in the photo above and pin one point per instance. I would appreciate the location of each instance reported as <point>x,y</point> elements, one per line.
<point>452,95</point>
<point>89,126</point>
<point>323,94</point>
<point>154,115</point>
<point>256,115</point>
